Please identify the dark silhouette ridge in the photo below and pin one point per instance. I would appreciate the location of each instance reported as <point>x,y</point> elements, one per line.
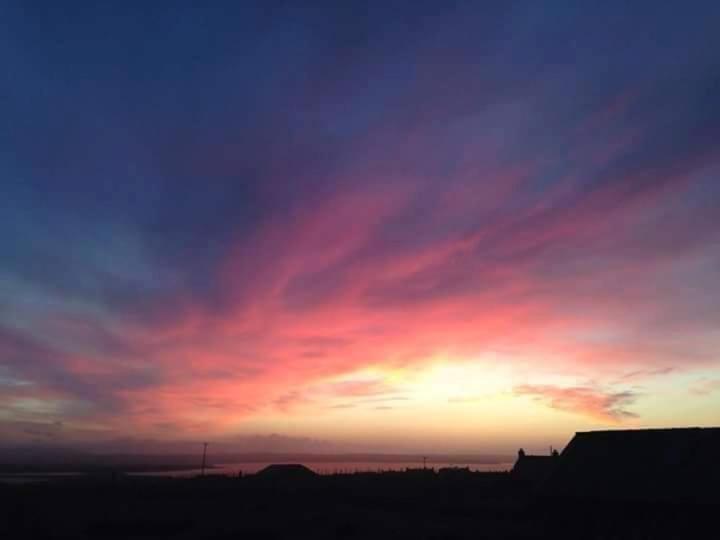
<point>657,484</point>
<point>454,472</point>
<point>676,465</point>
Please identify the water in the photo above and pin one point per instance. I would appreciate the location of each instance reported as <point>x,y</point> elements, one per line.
<point>28,478</point>
<point>327,467</point>
<point>251,467</point>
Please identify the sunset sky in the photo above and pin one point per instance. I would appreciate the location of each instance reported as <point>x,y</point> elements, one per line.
<point>393,226</point>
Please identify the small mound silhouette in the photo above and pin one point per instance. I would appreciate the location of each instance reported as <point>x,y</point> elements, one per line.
<point>287,472</point>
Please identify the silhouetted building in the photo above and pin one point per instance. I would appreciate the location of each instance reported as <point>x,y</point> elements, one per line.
<point>647,465</point>
<point>287,472</point>
<point>425,472</point>
<point>454,472</point>
<point>532,471</point>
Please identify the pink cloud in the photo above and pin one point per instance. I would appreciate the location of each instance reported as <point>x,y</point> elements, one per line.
<point>604,406</point>
<point>390,272</point>
<point>359,388</point>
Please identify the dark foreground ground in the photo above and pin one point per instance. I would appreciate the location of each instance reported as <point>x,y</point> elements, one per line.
<point>378,506</point>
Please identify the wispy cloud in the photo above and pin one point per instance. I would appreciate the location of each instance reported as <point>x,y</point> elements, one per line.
<point>642,374</point>
<point>597,404</point>
<point>705,387</point>
<point>289,400</point>
<point>198,268</point>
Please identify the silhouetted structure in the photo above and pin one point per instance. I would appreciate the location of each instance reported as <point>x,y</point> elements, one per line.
<point>454,472</point>
<point>419,472</point>
<point>287,472</point>
<point>657,484</point>
<point>532,471</point>
<point>648,465</point>
<point>205,445</point>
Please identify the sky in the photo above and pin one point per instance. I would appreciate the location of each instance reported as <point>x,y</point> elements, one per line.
<point>380,226</point>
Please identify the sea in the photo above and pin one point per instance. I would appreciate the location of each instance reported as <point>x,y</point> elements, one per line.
<point>251,467</point>
<point>334,467</point>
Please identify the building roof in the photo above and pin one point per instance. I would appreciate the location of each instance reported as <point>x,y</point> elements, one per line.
<point>287,471</point>
<point>680,465</point>
<point>533,470</point>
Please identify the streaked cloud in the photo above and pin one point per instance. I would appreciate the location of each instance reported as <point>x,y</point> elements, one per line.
<point>297,228</point>
<point>603,405</point>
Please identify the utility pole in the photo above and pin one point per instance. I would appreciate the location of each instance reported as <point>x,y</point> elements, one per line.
<point>424,462</point>
<point>203,461</point>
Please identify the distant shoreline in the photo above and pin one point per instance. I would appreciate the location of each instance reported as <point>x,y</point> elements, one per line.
<point>103,464</point>
<point>80,468</point>
<point>366,457</point>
